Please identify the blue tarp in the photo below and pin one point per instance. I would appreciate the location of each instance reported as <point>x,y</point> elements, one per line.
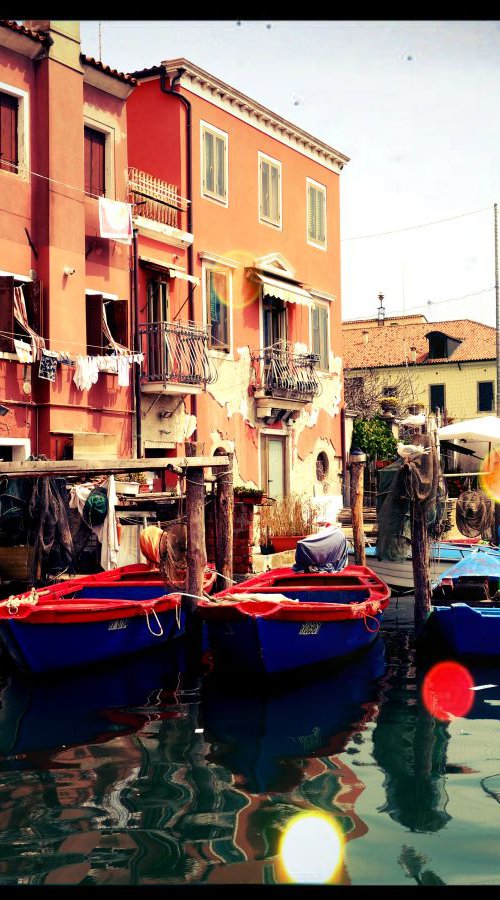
<point>479,563</point>
<point>323,552</point>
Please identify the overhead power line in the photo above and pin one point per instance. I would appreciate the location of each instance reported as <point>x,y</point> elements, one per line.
<point>362,237</point>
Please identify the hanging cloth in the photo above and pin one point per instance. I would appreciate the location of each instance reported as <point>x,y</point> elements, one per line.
<point>47,366</point>
<point>37,342</point>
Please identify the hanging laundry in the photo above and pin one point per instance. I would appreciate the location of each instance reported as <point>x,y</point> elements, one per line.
<point>37,342</point>
<point>86,372</point>
<point>123,371</point>
<point>47,366</point>
<point>23,351</point>
<point>107,364</point>
<point>115,220</point>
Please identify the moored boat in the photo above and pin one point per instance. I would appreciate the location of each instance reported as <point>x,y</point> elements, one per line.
<point>284,619</point>
<point>88,623</point>
<point>398,574</point>
<point>472,625</point>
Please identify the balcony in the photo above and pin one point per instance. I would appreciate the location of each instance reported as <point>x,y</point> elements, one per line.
<point>158,209</point>
<point>176,359</point>
<point>284,381</point>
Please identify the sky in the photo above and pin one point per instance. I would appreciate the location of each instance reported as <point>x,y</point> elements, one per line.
<point>416,107</point>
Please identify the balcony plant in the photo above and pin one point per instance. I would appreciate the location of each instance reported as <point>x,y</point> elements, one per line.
<point>287,521</point>
<point>252,496</point>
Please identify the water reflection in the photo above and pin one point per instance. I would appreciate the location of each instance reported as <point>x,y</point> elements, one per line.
<point>410,745</point>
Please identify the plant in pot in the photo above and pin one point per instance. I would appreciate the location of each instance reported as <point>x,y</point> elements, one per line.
<point>287,521</point>
<point>252,496</point>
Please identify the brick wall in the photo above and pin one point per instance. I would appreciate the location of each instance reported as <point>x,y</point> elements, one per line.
<point>243,536</point>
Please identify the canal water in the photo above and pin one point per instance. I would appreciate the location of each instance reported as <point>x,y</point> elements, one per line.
<point>145,774</point>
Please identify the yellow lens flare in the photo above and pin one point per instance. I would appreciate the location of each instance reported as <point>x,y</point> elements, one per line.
<point>489,477</point>
<point>250,290</point>
<point>311,849</point>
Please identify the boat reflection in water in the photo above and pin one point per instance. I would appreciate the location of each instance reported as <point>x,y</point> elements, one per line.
<point>286,752</point>
<point>60,711</point>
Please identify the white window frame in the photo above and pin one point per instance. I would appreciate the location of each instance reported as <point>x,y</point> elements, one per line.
<point>109,154</point>
<point>227,271</point>
<point>319,187</point>
<point>23,131</point>
<point>265,220</point>
<point>323,305</point>
<point>206,194</point>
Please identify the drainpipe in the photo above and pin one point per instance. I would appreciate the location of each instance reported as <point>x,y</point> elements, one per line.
<point>137,348</point>
<point>187,104</point>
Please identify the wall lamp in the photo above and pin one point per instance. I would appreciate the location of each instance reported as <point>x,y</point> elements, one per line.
<point>69,270</point>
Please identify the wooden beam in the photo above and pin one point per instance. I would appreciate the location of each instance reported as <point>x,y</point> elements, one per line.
<point>34,468</point>
<point>195,514</point>
<point>357,468</point>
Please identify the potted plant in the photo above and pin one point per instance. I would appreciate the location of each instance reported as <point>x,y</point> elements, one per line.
<point>251,496</point>
<point>287,521</point>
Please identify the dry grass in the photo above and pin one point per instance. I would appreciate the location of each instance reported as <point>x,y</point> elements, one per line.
<point>288,516</point>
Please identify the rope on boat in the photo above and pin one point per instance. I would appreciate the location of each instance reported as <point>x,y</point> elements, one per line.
<point>154,633</point>
<point>13,603</point>
<point>372,630</point>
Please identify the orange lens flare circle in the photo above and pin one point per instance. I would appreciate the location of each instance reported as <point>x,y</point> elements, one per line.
<point>489,477</point>
<point>447,691</point>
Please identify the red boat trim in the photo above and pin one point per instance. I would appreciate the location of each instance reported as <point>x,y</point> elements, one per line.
<point>89,610</point>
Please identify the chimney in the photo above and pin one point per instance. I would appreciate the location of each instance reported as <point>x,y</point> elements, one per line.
<point>365,336</point>
<point>413,354</point>
<point>381,311</point>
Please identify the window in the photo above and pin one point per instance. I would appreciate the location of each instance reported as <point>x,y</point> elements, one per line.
<point>319,319</point>
<point>316,214</point>
<point>274,318</point>
<point>9,157</point>
<point>440,345</point>
<point>217,287</point>
<point>214,163</point>
<point>106,323</point>
<point>95,162</point>
<point>436,392</point>
<point>157,350</point>
<point>269,190</point>
<point>322,466</point>
<point>10,326</point>
<point>485,396</point>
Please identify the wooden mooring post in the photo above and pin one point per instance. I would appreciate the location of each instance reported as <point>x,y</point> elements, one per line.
<point>195,514</point>
<point>357,461</point>
<point>224,517</point>
<point>420,563</point>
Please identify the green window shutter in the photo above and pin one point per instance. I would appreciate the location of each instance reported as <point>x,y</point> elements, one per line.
<point>275,194</point>
<point>264,188</point>
<point>311,213</point>
<point>220,149</point>
<point>208,162</point>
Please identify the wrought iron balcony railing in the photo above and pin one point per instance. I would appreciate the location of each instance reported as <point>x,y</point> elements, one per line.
<point>155,199</point>
<point>176,353</point>
<point>283,373</point>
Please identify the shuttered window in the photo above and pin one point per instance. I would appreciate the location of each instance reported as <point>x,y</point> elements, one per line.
<point>316,214</point>
<point>270,191</point>
<point>218,309</point>
<point>9,109</point>
<point>95,162</point>
<point>214,169</point>
<point>485,396</point>
<point>319,315</point>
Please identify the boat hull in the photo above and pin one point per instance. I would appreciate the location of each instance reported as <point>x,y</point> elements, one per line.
<point>283,620</point>
<point>466,630</point>
<point>88,624</point>
<point>399,574</point>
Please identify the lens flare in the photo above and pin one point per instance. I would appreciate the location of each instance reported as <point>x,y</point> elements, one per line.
<point>447,691</point>
<point>489,477</point>
<point>311,849</point>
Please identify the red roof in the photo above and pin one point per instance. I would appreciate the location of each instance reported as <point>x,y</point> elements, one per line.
<point>90,61</point>
<point>39,36</point>
<point>390,344</point>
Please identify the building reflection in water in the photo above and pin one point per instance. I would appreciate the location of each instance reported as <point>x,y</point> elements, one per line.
<point>106,779</point>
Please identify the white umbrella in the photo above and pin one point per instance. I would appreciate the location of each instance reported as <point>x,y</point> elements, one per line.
<point>482,428</point>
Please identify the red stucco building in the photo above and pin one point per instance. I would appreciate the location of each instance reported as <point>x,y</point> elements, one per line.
<point>237,266</point>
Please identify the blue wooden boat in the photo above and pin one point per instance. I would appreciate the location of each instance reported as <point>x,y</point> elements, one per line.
<point>398,574</point>
<point>284,619</point>
<point>80,624</point>
<point>470,627</point>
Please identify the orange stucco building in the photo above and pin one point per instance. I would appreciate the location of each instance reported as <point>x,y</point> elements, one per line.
<point>59,110</point>
<point>237,213</point>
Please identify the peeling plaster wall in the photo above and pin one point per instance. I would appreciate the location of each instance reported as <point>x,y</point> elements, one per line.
<point>231,388</point>
<point>159,429</point>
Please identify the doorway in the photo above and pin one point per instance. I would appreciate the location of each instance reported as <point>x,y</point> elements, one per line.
<point>274,470</point>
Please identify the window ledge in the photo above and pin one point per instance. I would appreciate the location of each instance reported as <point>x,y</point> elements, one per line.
<point>165,233</point>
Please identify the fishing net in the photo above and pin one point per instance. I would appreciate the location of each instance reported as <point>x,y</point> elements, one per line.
<point>50,533</point>
<point>474,513</point>
<point>173,554</point>
<point>417,479</point>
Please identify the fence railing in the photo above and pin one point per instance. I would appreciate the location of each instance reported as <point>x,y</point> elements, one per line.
<point>283,373</point>
<point>176,353</point>
<point>154,198</point>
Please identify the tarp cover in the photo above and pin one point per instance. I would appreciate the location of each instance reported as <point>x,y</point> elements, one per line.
<point>478,563</point>
<point>323,552</point>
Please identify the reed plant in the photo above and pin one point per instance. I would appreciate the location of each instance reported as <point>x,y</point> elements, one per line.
<point>292,515</point>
